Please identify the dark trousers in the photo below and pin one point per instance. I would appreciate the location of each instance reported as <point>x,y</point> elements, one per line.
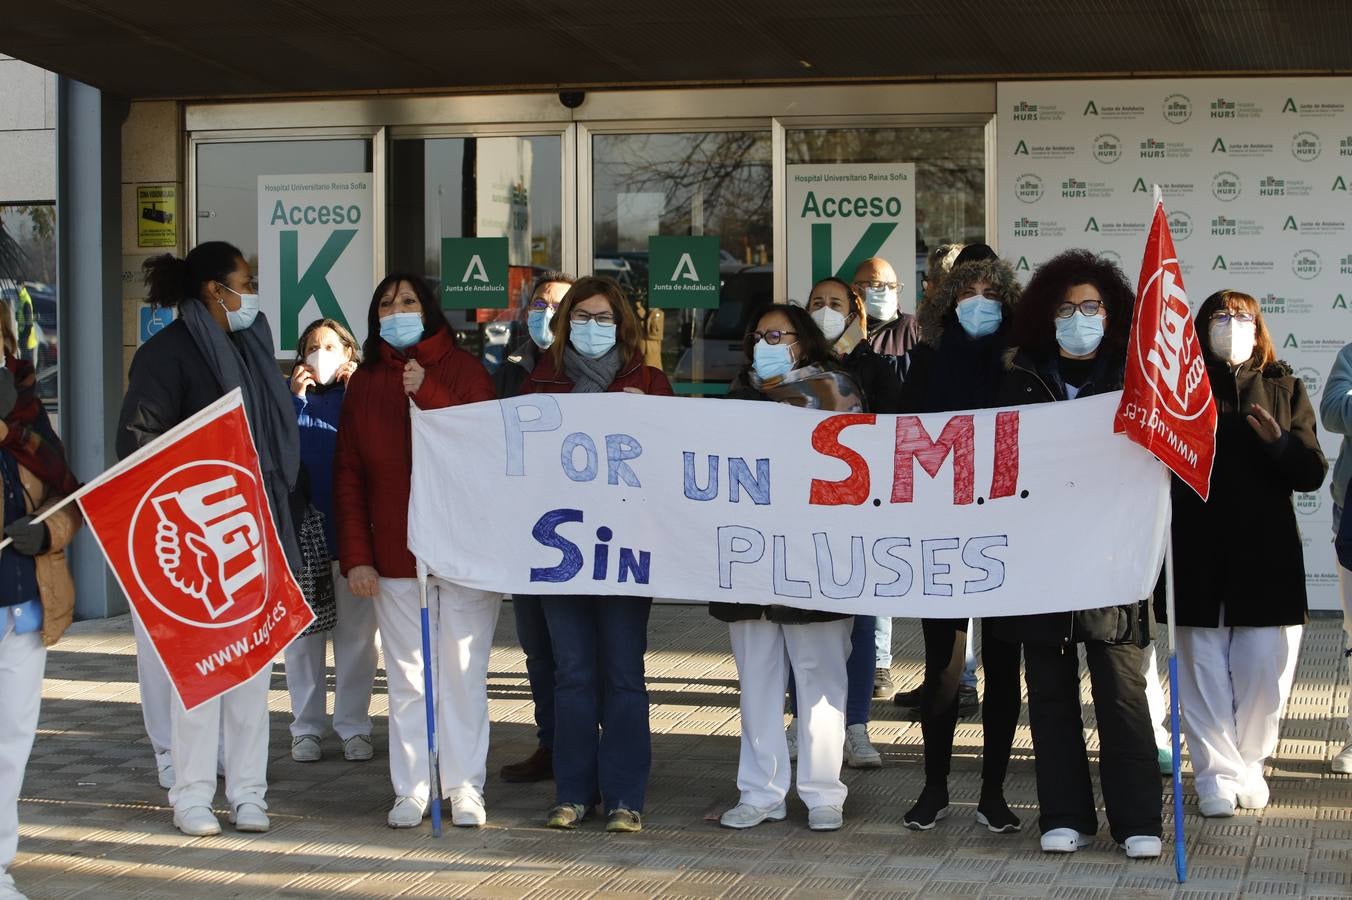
<point>945,655</point>
<point>602,744</point>
<point>1128,769</point>
<point>859,668</point>
<point>532,631</point>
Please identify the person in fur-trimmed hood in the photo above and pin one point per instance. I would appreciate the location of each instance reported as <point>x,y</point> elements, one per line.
<point>964,328</point>
<point>1239,565</point>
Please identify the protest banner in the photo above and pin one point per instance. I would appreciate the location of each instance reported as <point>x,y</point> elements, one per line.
<point>186,528</point>
<point>999,512</point>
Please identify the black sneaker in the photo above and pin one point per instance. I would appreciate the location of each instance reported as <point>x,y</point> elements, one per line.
<point>907,699</point>
<point>931,806</point>
<point>968,700</point>
<point>882,684</point>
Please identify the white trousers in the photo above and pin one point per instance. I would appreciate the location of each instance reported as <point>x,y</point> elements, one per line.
<point>462,622</point>
<point>355,657</point>
<point>1233,685</point>
<point>22,658</point>
<point>1345,582</point>
<point>233,729</point>
<point>1154,698</point>
<point>157,693</point>
<point>764,652</point>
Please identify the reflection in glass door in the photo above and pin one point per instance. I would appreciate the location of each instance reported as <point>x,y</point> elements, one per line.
<point>694,183</point>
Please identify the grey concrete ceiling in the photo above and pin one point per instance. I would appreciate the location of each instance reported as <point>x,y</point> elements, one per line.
<point>191,48</point>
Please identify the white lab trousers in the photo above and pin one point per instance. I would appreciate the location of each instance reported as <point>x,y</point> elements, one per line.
<point>1233,685</point>
<point>1154,698</point>
<point>355,659</point>
<point>232,729</point>
<point>157,693</point>
<point>462,622</point>
<point>764,652</point>
<point>22,658</point>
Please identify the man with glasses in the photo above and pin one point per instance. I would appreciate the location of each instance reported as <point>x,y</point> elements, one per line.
<point>531,630</point>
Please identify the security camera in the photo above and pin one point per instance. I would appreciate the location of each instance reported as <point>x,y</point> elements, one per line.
<point>572,99</point>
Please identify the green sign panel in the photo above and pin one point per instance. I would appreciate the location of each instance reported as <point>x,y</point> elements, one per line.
<point>683,272</point>
<point>474,273</point>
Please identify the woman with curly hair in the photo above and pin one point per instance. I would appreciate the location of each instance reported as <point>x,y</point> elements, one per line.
<point>964,329</point>
<point>1241,604</point>
<point>1070,335</point>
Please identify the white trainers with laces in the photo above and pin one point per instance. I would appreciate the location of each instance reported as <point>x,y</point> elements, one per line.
<point>744,815</point>
<point>358,748</point>
<point>197,821</point>
<point>1216,807</point>
<point>250,818</point>
<point>467,809</point>
<point>859,750</point>
<point>407,812</point>
<point>1063,840</point>
<point>306,748</point>
<point>1142,846</point>
<point>825,818</point>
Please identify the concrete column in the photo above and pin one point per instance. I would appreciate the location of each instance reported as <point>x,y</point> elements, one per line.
<point>89,241</point>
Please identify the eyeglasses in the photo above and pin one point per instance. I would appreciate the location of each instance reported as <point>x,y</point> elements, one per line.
<point>770,337</point>
<point>542,303</point>
<point>1088,309</point>
<point>582,318</point>
<point>876,285</point>
<point>1221,317</point>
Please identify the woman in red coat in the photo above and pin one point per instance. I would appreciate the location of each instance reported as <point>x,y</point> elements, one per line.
<point>602,744</point>
<point>410,355</point>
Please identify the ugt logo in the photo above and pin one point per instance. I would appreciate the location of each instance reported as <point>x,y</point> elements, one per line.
<point>1174,373</point>
<point>196,544</point>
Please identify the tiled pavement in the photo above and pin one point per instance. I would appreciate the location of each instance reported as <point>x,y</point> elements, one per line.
<point>95,825</point>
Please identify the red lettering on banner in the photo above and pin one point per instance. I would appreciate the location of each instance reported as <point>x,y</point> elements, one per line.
<point>854,489</point>
<point>1005,477</point>
<point>914,443</point>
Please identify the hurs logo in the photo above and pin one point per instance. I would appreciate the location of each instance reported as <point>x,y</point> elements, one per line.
<point>1306,264</point>
<point>1107,148</point>
<point>1307,504</point>
<point>1025,227</point>
<point>1025,111</point>
<point>1272,186</point>
<point>1225,186</point>
<point>1177,109</point>
<point>1345,265</point>
<point>1222,108</point>
<point>1028,188</point>
<point>1345,146</point>
<point>1180,225</point>
<point>196,544</point>
<point>1305,146</point>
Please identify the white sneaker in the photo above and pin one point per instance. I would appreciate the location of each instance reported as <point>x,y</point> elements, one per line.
<point>467,809</point>
<point>8,889</point>
<point>358,748</point>
<point>859,751</point>
<point>1342,763</point>
<point>306,748</point>
<point>164,766</point>
<point>407,812</point>
<point>1256,797</point>
<point>825,818</point>
<point>249,817</point>
<point>791,735</point>
<point>1142,846</point>
<point>1216,807</point>
<point>744,815</point>
<point>1064,840</point>
<point>197,821</point>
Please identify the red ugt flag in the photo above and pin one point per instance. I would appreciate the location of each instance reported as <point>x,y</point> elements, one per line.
<point>1167,406</point>
<point>185,526</point>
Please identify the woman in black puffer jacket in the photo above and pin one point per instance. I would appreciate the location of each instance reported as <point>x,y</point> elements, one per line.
<point>1071,331</point>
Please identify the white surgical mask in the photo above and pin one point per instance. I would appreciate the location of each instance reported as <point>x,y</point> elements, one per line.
<point>240,319</point>
<point>1079,335</point>
<point>325,364</point>
<point>831,322</point>
<point>1233,341</point>
<point>881,303</point>
<point>979,316</point>
<point>771,360</point>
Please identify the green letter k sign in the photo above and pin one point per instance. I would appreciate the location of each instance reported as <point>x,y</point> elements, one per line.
<point>297,291</point>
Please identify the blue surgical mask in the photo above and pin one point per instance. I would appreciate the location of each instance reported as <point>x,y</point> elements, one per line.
<point>401,330</point>
<point>240,319</point>
<point>1079,335</point>
<point>592,339</point>
<point>980,316</point>
<point>537,324</point>
<point>771,360</point>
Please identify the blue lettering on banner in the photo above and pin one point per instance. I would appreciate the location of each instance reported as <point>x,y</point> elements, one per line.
<point>619,448</point>
<point>853,586</point>
<point>736,544</point>
<point>547,417</point>
<point>932,568</point>
<point>739,478</point>
<point>568,458</point>
<point>883,556</point>
<point>638,567</point>
<point>692,489</point>
<point>974,555</point>
<point>546,533</point>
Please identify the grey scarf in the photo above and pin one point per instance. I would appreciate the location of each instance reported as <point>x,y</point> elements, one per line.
<point>591,376</point>
<point>244,360</point>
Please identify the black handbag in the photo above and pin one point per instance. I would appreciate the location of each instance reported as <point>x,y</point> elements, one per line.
<point>316,572</point>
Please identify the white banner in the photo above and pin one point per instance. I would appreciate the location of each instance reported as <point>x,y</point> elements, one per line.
<point>1035,509</point>
<point>842,214</point>
<point>1255,174</point>
<point>316,250</point>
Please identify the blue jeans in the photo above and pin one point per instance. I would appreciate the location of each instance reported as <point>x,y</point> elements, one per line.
<point>602,743</point>
<point>858,674</point>
<point>532,632</point>
<point>882,641</point>
<point>968,678</point>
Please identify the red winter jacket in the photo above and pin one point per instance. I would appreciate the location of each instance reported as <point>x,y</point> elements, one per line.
<point>544,379</point>
<point>374,460</point>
